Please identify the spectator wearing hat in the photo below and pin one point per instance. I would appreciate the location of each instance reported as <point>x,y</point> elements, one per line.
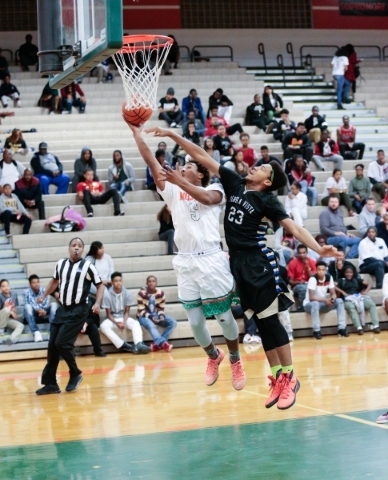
<point>169,109</point>
<point>49,170</point>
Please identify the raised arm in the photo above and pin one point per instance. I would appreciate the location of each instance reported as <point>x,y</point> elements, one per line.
<point>195,152</point>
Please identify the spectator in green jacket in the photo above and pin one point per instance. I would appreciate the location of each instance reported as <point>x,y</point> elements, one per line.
<point>359,188</point>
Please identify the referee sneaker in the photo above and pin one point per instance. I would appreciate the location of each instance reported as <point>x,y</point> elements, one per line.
<point>73,276</point>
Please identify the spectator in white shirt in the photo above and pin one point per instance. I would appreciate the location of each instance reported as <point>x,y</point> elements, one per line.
<point>367,217</point>
<point>10,170</point>
<point>340,64</point>
<point>336,186</point>
<point>296,204</point>
<point>378,174</point>
<point>317,301</point>
<point>373,256</point>
<point>103,263</point>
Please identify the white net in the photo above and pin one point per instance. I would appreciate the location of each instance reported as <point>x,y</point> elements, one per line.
<point>140,62</point>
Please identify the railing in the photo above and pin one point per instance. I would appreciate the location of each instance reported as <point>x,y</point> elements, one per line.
<point>228,56</point>
<point>261,50</point>
<point>279,59</point>
<point>309,64</point>
<point>290,50</point>
<point>374,47</point>
<point>314,55</point>
<point>384,54</point>
<point>187,56</point>
<point>10,54</point>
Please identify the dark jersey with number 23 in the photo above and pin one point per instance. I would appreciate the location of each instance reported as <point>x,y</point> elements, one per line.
<point>244,212</point>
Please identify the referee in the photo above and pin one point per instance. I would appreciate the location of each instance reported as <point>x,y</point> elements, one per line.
<point>73,276</point>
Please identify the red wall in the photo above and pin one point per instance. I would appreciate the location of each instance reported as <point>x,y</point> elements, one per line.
<point>326,15</point>
<point>151,14</point>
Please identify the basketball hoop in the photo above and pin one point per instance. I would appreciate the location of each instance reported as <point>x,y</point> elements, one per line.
<point>140,62</point>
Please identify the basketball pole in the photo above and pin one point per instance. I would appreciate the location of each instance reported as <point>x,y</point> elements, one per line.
<point>49,35</point>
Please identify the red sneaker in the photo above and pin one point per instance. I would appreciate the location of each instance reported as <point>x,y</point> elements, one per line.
<point>211,374</point>
<point>167,347</point>
<point>239,378</point>
<point>275,389</point>
<point>290,388</point>
<point>154,347</point>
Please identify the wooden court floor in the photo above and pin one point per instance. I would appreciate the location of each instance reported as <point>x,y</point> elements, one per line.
<point>152,417</point>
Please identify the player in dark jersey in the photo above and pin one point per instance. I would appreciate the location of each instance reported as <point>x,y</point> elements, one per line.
<point>263,293</point>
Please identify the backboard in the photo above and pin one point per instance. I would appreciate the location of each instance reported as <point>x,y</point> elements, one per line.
<point>94,30</point>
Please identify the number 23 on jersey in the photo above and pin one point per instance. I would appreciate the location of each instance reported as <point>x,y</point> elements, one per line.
<point>236,216</point>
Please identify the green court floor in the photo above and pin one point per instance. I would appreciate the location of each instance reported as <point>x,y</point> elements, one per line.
<point>315,448</point>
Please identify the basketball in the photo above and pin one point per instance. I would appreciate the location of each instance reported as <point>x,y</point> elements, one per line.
<point>137,116</point>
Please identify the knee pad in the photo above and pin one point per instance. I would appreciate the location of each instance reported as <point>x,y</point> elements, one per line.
<point>228,325</point>
<point>197,323</point>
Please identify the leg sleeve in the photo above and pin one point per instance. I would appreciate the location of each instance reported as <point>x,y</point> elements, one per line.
<point>198,325</point>
<point>228,325</point>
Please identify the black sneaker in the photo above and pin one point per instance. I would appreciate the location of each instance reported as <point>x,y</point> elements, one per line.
<point>342,332</point>
<point>101,353</point>
<point>376,330</point>
<point>48,390</point>
<point>300,309</point>
<point>141,349</point>
<point>317,335</point>
<point>360,331</point>
<point>73,383</point>
<point>340,107</point>
<point>126,347</point>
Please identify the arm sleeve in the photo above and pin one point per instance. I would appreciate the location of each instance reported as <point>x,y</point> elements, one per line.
<point>229,179</point>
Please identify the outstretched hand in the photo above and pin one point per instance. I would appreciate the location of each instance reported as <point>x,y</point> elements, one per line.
<point>158,132</point>
<point>167,174</point>
<point>136,129</point>
<point>329,251</point>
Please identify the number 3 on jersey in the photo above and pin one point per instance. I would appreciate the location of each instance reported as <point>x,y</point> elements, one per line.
<point>235,216</point>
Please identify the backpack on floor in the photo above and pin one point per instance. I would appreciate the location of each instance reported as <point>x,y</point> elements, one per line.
<point>63,224</point>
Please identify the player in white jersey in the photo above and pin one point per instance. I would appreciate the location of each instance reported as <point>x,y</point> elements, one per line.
<point>205,285</point>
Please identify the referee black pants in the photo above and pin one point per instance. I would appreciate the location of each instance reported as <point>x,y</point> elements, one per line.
<point>67,325</point>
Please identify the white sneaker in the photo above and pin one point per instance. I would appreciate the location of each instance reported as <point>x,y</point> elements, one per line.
<point>255,339</point>
<point>247,338</point>
<point>19,104</point>
<point>52,113</point>
<point>173,125</point>
<point>2,331</point>
<point>65,112</point>
<point>38,336</point>
<point>290,337</point>
<point>90,214</point>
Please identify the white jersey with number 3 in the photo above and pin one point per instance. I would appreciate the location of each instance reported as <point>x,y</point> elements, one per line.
<point>197,226</point>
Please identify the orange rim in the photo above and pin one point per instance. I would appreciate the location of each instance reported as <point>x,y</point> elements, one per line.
<point>146,42</point>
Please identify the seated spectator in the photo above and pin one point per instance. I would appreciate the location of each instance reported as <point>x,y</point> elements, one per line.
<point>117,303</point>
<point>337,266</point>
<point>237,164</point>
<point>193,103</point>
<point>16,143</point>
<point>359,188</point>
<point>121,174</point>
<point>50,99</point>
<point>382,228</point>
<point>166,230</point>
<point>10,170</point>
<point>296,204</point>
<point>160,156</point>
<point>191,134</point>
<point>367,217</point>
<point>169,157</point>
<point>12,210</point>
<point>321,240</point>
<point>326,150</point>
<point>297,142</point>
<point>378,174</point>
<point>33,310</point>
<point>8,92</point>
<point>315,124</point>
<point>336,187</point>
<point>284,126</point>
<point>353,291</point>
<point>199,126</point>
<point>250,154</point>
<point>70,99</point>
<point>172,57</point>
<point>29,192</point>
<point>28,54</point>
<point>208,146</point>
<point>331,224</point>
<point>266,157</point>
<point>300,269</point>
<point>3,66</point>
<point>272,104</point>
<point>85,162</point>
<point>346,139</point>
<point>92,193</point>
<point>284,245</point>
<point>151,303</point>
<point>102,72</point>
<point>215,120</point>
<point>317,301</point>
<point>169,110</point>
<point>302,174</point>
<point>223,144</point>
<point>255,114</point>
<point>8,315</point>
<point>380,212</point>
<point>49,170</point>
<point>373,256</point>
<point>223,104</point>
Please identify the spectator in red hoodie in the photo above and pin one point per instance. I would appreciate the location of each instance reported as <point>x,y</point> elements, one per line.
<point>327,150</point>
<point>250,155</point>
<point>351,72</point>
<point>212,125</point>
<point>70,99</point>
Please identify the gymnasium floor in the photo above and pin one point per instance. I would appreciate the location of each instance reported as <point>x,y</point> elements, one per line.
<point>151,417</point>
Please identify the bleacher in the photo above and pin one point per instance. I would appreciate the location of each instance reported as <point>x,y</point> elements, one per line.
<point>132,240</point>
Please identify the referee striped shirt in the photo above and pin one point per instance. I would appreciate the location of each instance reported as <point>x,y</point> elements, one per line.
<point>75,280</point>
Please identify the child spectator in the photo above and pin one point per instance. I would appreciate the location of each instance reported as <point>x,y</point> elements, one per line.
<point>319,286</point>
<point>166,230</point>
<point>326,150</point>
<point>208,146</point>
<point>16,143</point>
<point>169,110</point>
<point>191,134</point>
<point>121,174</point>
<point>380,212</point>
<point>12,210</point>
<point>190,118</point>
<point>151,303</point>
<point>8,316</point>
<point>223,104</point>
<point>49,170</point>
<point>29,192</point>
<point>302,174</point>
<point>34,310</point>
<point>336,187</point>
<point>92,193</point>
<point>117,303</point>
<point>8,92</point>
<point>353,291</point>
<point>284,126</point>
<point>296,204</point>
<point>85,162</point>
<point>70,99</point>
<point>338,265</point>
<point>284,246</point>
<point>255,114</point>
<point>237,164</point>
<point>10,170</point>
<point>250,155</point>
<point>223,144</point>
